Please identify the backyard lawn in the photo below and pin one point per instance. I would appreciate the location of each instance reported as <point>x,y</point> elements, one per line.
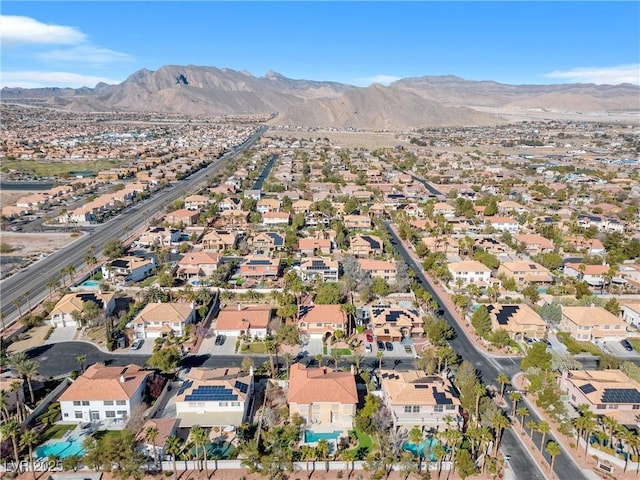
<point>55,431</point>
<point>576,346</point>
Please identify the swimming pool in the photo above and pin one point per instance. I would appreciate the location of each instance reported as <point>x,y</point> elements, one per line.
<point>424,448</point>
<point>215,450</point>
<point>60,449</point>
<point>311,436</point>
<point>90,284</point>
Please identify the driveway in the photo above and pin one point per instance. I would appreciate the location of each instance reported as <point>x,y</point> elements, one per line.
<point>556,345</point>
<point>63,334</point>
<point>227,348</point>
<point>616,348</point>
<point>312,348</point>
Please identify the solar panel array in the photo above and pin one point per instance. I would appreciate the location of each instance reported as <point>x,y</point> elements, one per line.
<point>259,262</point>
<point>318,265</point>
<point>506,312</point>
<point>185,385</point>
<point>241,386</point>
<point>372,242</point>
<point>440,398</point>
<point>214,393</point>
<point>587,388</point>
<point>277,239</point>
<point>621,395</point>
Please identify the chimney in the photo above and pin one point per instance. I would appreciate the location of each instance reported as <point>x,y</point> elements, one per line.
<point>122,379</point>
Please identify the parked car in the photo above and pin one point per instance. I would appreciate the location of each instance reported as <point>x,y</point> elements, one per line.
<point>546,342</point>
<point>367,347</point>
<point>369,337</point>
<point>389,346</point>
<point>220,340</point>
<point>627,345</point>
<point>137,343</point>
<point>380,346</point>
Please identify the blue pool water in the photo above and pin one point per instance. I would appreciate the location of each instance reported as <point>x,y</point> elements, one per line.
<point>90,283</point>
<point>310,436</point>
<point>424,447</point>
<point>60,449</point>
<point>216,450</point>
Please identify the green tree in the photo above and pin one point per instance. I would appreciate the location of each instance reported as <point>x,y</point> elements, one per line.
<point>150,435</point>
<point>531,293</point>
<point>11,429</point>
<point>537,356</point>
<point>553,449</point>
<point>481,321</point>
<point>329,293</point>
<point>465,466</point>
<point>172,447</point>
<point>165,359</point>
<point>113,248</point>
<point>27,440</point>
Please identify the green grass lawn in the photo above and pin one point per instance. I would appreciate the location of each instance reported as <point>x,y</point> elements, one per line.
<point>575,346</point>
<point>55,431</point>
<point>47,168</point>
<point>635,343</point>
<point>147,282</point>
<point>255,348</point>
<point>341,351</point>
<point>364,440</point>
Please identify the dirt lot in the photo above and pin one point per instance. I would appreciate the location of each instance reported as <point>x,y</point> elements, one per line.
<point>352,140</point>
<point>28,247</point>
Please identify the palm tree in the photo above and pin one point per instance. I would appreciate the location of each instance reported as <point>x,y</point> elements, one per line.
<point>522,412</point>
<point>15,387</point>
<point>63,273</point>
<point>531,425</point>
<point>379,356</point>
<point>288,359</point>
<point>499,423</point>
<point>27,296</point>
<point>29,439</point>
<point>200,437</point>
<point>271,346</point>
<point>544,428</point>
<point>319,359</point>
<point>70,270</point>
<point>514,397</point>
<point>4,405</point>
<point>586,424</point>
<point>416,437</point>
<point>150,435</point>
<point>11,429</point>
<point>172,447</point>
<point>308,453</point>
<point>27,368</point>
<point>480,390</point>
<point>553,449</point>
<point>51,284</point>
<point>336,356</point>
<point>322,450</point>
<point>91,260</point>
<point>503,380</point>
<point>356,358</point>
<point>80,359</point>
<point>611,424</point>
<point>18,305</point>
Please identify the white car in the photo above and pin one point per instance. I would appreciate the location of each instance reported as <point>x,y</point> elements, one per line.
<point>367,348</point>
<point>137,343</point>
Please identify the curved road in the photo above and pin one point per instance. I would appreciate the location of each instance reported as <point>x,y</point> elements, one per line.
<point>31,281</point>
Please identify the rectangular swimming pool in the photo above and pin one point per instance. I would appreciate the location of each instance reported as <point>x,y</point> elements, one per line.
<point>311,436</point>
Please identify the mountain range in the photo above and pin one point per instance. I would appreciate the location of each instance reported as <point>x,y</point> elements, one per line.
<point>429,101</point>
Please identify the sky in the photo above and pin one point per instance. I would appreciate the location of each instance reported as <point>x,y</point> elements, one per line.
<point>74,44</point>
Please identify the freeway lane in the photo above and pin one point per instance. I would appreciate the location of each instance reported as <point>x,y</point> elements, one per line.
<point>32,280</point>
<point>489,367</point>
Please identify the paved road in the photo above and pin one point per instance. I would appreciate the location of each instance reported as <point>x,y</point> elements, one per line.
<point>32,280</point>
<point>488,367</point>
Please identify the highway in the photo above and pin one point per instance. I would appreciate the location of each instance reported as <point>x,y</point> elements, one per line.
<point>488,367</point>
<point>32,280</point>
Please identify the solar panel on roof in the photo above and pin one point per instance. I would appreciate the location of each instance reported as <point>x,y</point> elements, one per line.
<point>621,395</point>
<point>587,388</point>
<point>421,386</point>
<point>241,386</point>
<point>506,312</point>
<point>440,398</point>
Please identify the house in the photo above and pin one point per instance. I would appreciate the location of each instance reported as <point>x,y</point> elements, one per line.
<point>215,398</point>
<point>266,205</point>
<point>322,320</point>
<point>62,314</point>
<point>470,271</point>
<point>525,272</point>
<point>592,323</point>
<point>260,267</point>
<point>165,428</point>
<point>533,243</point>
<point>183,216</point>
<point>520,321</point>
<point>416,399</point>
<point>444,209</point>
<point>265,243</point>
<point>592,246</point>
<point>361,222</point>
<point>198,265</point>
<point>447,245</point>
<point>104,393</point>
<point>324,398</point>
<point>594,275</point>
<point>604,392</point>
<point>230,218</point>
<point>252,321</point>
<point>159,319</point>
<point>631,314</point>
<point>160,237</point>
<point>502,224</point>
<point>128,269</point>
<point>311,246</point>
<point>509,207</point>
<point>491,245</point>
<point>365,245</point>
<point>302,206</point>
<point>379,269</point>
<point>392,323</point>
<point>219,240</point>
<point>197,202</point>
<point>601,223</point>
<point>276,218</point>
<point>319,267</point>
<point>229,203</point>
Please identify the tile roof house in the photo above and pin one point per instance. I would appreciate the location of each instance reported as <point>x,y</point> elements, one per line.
<point>252,320</point>
<point>229,203</point>
<point>379,269</point>
<point>214,398</point>
<point>592,323</point>
<point>357,222</point>
<point>325,398</point>
<point>592,246</point>
<point>165,427</point>
<point>219,240</point>
<point>393,323</point>
<point>260,267</point>
<point>125,270</point>
<point>159,236</point>
<point>158,319</point>
<point>519,320</point>
<point>197,202</point>
<point>198,265</point>
<point>502,224</point>
<point>604,392</point>
<point>417,399</point>
<point>104,393</point>
<point>184,216</point>
<point>265,243</point>
<point>365,245</point>
<point>592,274</point>
<point>447,245</point>
<point>525,272</point>
<point>470,271</point>
<point>266,205</point>
<point>276,218</point>
<point>321,320</point>
<point>534,243</point>
<point>319,267</point>
<point>62,313</point>
<point>310,246</point>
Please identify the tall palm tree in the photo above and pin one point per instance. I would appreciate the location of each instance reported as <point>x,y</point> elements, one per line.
<point>28,439</point>
<point>15,387</point>
<point>514,397</point>
<point>27,296</point>
<point>522,412</point>
<point>503,380</point>
<point>63,276</point>
<point>288,358</point>
<point>336,356</point>
<point>27,368</point>
<point>11,429</point>
<point>91,260</point>
<point>18,305</point>
<point>308,453</point>
<point>70,270</point>
<point>356,358</point>
<point>611,424</point>
<point>553,449</point>
<point>150,435</point>
<point>172,447</point>
<point>80,359</point>
<point>544,428</point>
<point>499,423</point>
<point>4,405</point>
<point>51,284</point>
<point>531,425</point>
<point>379,356</point>
<point>271,346</point>
<point>200,438</point>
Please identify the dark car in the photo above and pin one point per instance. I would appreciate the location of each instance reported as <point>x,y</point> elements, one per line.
<point>627,346</point>
<point>220,340</point>
<point>380,345</point>
<point>546,342</point>
<point>369,337</point>
<point>389,346</point>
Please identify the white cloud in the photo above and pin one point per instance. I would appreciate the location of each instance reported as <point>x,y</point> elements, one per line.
<point>382,79</point>
<point>40,79</point>
<point>24,30</point>
<point>600,75</point>
<point>87,54</point>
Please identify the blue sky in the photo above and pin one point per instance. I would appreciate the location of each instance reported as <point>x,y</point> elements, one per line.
<point>80,43</point>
